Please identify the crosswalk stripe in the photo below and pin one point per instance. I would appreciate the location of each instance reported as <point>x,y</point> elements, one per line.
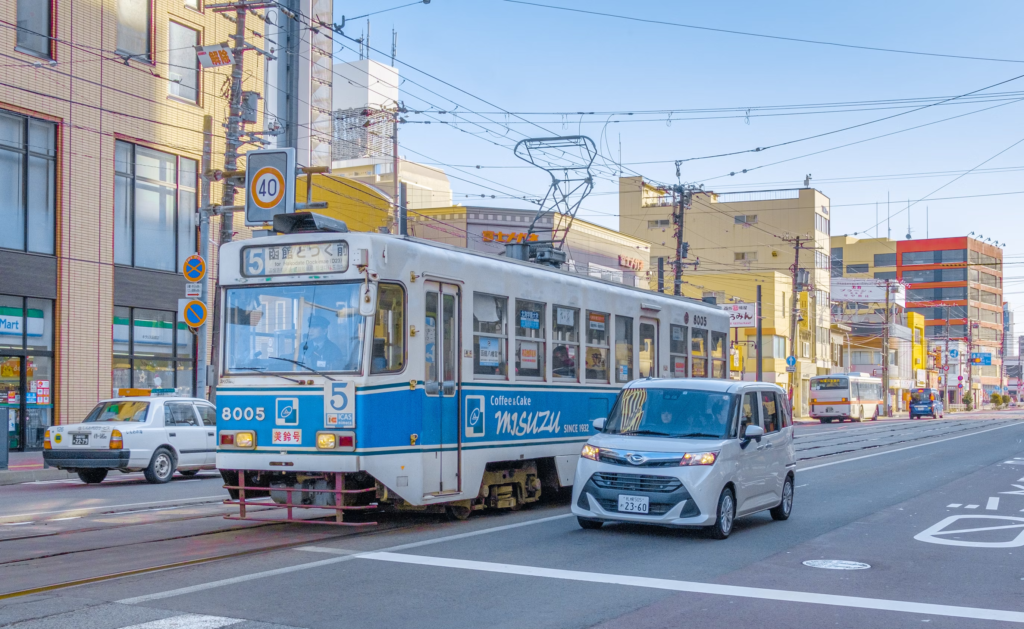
<point>188,621</point>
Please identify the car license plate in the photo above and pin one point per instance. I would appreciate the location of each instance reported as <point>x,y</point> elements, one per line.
<point>79,440</point>
<point>634,504</point>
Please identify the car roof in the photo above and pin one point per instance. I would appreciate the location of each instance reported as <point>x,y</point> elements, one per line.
<point>701,384</point>
<point>157,400</point>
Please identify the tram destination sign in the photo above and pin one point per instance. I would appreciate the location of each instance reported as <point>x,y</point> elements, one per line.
<point>304,259</point>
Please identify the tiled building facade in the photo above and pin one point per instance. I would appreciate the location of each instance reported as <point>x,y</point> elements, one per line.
<point>101,118</point>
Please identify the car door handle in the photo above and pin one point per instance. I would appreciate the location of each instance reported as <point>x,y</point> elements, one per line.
<point>172,434</point>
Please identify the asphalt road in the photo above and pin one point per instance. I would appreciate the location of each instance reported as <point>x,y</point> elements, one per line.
<point>934,509</point>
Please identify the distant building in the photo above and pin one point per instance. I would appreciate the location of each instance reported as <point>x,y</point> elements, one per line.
<point>1009,348</point>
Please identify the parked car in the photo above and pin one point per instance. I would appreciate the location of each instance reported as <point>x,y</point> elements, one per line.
<point>156,435</point>
<point>925,402</point>
<point>688,453</point>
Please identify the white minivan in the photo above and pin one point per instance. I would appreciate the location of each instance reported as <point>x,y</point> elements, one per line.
<point>156,435</point>
<point>688,453</point>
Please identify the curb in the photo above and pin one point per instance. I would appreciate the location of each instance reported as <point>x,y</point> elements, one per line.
<point>8,477</point>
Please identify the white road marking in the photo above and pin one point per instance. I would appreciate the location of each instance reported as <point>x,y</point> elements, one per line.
<point>188,621</point>
<point>919,445</point>
<point>954,505</point>
<point>18,523</point>
<point>76,517</point>
<point>328,550</point>
<point>1014,462</point>
<point>131,504</point>
<point>993,504</point>
<point>931,534</point>
<point>706,588</point>
<point>327,562</point>
<point>972,506</point>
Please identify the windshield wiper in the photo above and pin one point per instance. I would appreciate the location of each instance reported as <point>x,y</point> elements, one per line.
<point>304,366</point>
<point>698,434</point>
<point>262,369</point>
<point>646,432</point>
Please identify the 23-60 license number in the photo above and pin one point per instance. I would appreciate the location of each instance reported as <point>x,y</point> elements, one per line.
<point>239,413</point>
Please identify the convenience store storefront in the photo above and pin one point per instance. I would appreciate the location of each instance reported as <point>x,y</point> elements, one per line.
<point>26,369</point>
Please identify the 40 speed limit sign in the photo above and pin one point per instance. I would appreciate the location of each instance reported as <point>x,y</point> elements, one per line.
<point>269,185</point>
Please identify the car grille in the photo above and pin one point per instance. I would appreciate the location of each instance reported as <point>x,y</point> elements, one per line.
<point>656,508</point>
<point>636,482</point>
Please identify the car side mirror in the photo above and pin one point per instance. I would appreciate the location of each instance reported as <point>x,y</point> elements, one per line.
<point>599,424</point>
<point>751,432</point>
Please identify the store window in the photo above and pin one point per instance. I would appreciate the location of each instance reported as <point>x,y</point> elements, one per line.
<point>565,338</point>
<point>597,346</point>
<point>623,348</point>
<point>677,350</point>
<point>389,330</point>
<point>151,351</point>
<point>134,27</point>
<point>182,63</point>
<point>34,31</point>
<point>26,369</point>
<point>719,366</point>
<point>699,352</point>
<point>530,348</point>
<point>28,160</point>
<point>154,208</point>
<point>490,332</point>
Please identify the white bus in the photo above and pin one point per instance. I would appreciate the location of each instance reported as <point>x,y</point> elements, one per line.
<point>853,396</point>
<point>366,371</point>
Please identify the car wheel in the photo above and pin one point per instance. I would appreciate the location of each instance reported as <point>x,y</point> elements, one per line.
<point>827,421</point>
<point>785,507</point>
<point>874,417</point>
<point>161,467</point>
<point>726,513</point>
<point>93,476</point>
<point>188,473</point>
<point>588,524</point>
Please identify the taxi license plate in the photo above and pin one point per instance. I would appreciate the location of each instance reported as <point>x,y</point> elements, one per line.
<point>634,504</point>
<point>79,440</point>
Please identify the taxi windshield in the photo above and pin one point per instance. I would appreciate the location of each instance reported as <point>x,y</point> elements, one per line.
<point>671,413</point>
<point>125,411</point>
<point>311,327</point>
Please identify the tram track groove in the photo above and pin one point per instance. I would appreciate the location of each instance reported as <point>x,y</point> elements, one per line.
<point>912,437</point>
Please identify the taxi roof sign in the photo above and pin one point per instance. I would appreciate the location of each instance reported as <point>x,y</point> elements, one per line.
<point>133,392</point>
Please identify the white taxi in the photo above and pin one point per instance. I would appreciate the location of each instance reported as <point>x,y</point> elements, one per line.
<point>156,435</point>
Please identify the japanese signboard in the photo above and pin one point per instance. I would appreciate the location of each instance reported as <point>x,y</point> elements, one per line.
<point>741,315</point>
<point>318,257</point>
<point>866,290</point>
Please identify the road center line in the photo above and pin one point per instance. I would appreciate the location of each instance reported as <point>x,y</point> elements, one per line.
<point>706,588</point>
<point>326,562</point>
<point>919,445</point>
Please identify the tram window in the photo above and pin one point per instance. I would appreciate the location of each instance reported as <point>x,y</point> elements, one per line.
<point>389,330</point>
<point>718,354</point>
<point>699,352</point>
<point>677,348</point>
<point>566,340</point>
<point>648,351</point>
<point>529,339</point>
<point>623,348</point>
<point>490,329</point>
<point>597,347</point>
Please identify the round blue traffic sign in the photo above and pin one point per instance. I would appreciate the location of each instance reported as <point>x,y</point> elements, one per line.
<point>791,361</point>
<point>194,268</point>
<point>954,353</point>
<point>195,313</point>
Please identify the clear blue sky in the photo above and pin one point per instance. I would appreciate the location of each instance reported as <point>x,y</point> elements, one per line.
<point>525,58</point>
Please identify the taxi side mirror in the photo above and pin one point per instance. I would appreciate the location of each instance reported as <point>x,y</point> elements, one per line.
<point>599,424</point>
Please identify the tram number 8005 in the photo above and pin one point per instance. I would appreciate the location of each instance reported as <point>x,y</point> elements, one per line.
<point>238,413</point>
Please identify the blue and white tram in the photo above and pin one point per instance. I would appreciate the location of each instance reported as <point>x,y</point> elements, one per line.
<point>363,370</point>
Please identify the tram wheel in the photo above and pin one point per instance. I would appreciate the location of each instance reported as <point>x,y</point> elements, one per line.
<point>459,513</point>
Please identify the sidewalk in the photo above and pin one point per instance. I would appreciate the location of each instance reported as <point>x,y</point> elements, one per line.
<point>25,467</point>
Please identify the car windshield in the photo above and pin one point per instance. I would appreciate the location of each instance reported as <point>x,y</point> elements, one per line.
<point>672,413</point>
<point>921,395</point>
<point>308,328</point>
<point>125,411</point>
<point>825,384</point>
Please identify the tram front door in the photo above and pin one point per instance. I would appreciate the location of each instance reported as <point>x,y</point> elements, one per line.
<point>442,384</point>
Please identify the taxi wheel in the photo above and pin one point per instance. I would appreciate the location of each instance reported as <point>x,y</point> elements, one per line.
<point>188,473</point>
<point>726,515</point>
<point>92,476</point>
<point>161,467</point>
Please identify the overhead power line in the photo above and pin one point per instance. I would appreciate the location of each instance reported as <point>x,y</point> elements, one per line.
<point>765,35</point>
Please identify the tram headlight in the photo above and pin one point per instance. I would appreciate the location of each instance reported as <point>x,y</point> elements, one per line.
<point>326,441</point>
<point>591,452</point>
<point>245,439</point>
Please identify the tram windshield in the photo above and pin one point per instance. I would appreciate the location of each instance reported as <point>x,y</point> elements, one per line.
<point>307,328</point>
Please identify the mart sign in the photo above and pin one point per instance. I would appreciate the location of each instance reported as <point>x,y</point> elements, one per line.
<point>12,322</point>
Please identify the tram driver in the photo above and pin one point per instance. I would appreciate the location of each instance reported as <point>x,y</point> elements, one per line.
<point>320,351</point>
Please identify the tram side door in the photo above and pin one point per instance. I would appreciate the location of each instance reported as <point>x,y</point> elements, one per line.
<point>442,384</point>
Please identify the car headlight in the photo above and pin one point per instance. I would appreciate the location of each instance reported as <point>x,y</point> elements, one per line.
<point>246,439</point>
<point>591,452</point>
<point>699,458</point>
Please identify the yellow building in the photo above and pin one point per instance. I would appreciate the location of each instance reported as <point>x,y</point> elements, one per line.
<point>863,257</point>
<point>740,239</point>
<point>102,107</point>
<point>363,207</point>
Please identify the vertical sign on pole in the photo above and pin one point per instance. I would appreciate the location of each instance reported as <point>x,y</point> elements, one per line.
<point>269,185</point>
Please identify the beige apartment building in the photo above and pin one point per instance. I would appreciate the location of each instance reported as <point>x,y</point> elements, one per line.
<point>742,239</point>
<point>101,118</point>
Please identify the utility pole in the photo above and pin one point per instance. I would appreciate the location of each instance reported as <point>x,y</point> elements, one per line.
<point>885,352</point>
<point>945,363</point>
<point>394,174</point>
<point>798,244</point>
<point>760,354</point>
<point>204,251</point>
<point>233,133</point>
